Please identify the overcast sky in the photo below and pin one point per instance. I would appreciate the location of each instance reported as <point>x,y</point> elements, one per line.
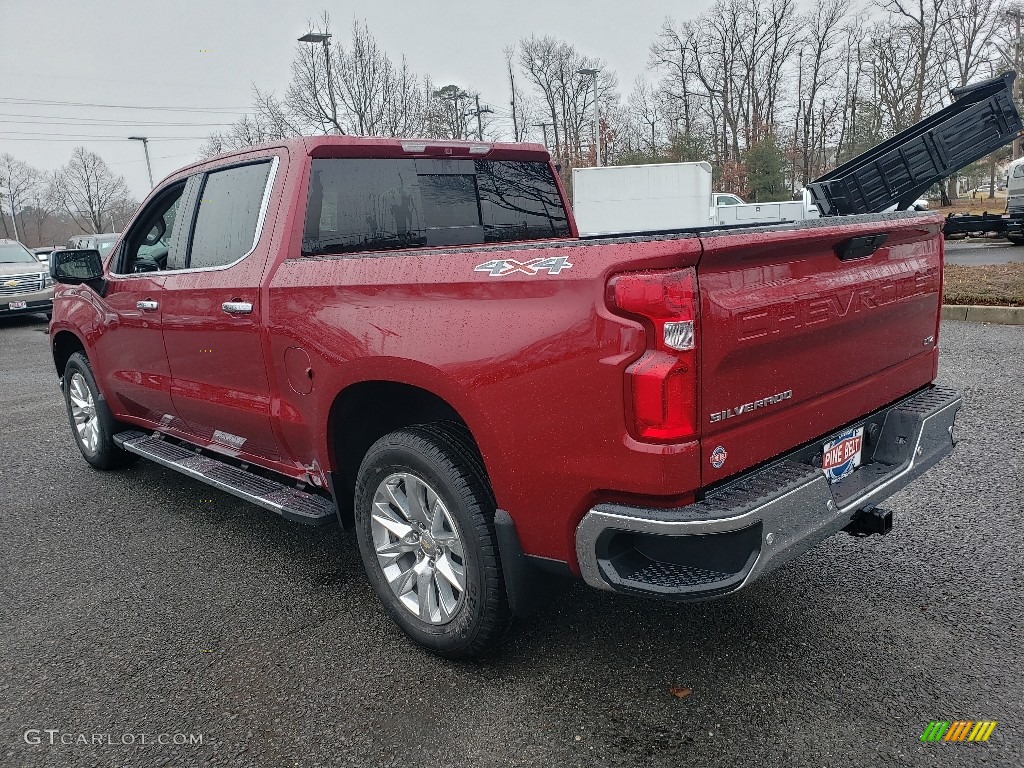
<point>202,55</point>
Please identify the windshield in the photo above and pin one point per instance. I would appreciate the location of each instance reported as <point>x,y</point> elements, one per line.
<point>16,253</point>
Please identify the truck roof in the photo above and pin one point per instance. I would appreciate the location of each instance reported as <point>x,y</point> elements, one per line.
<point>367,146</point>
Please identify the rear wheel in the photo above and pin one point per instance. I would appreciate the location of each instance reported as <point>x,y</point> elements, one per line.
<point>425,525</point>
<point>1015,240</point>
<point>92,423</point>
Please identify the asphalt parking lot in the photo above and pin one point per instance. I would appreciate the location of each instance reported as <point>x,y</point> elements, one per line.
<point>140,602</point>
<point>980,250</point>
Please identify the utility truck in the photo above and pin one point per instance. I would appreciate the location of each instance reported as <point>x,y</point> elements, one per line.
<point>665,197</point>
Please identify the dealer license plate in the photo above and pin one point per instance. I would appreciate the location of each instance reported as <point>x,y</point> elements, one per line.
<point>841,455</point>
<point>17,305</point>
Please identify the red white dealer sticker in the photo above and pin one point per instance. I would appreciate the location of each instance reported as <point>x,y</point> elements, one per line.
<point>841,455</point>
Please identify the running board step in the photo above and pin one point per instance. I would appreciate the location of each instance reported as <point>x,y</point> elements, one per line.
<point>291,503</point>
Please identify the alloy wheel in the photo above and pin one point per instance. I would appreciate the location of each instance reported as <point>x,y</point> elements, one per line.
<point>418,548</point>
<point>83,411</point>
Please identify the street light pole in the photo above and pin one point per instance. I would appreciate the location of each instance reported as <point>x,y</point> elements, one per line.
<point>544,127</point>
<point>14,218</point>
<point>325,38</point>
<point>145,147</point>
<point>799,109</point>
<point>597,115</point>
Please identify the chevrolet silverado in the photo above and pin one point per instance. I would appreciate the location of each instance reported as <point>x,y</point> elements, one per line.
<point>411,339</point>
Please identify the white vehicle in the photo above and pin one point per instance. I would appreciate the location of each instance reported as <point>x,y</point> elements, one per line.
<point>1015,188</point>
<point>727,198</point>
<point>666,197</point>
<point>642,198</point>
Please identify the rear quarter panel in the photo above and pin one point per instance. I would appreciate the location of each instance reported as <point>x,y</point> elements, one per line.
<point>532,363</point>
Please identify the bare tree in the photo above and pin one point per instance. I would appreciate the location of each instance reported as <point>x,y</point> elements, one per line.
<point>89,191</point>
<point>541,59</point>
<point>855,64</point>
<point>510,56</point>
<point>554,67</point>
<point>351,87</point>
<point>968,39</point>
<point>21,183</point>
<point>821,105</point>
<point>448,112</point>
<point>671,54</point>
<point>923,22</point>
<point>645,112</point>
<point>897,96</point>
<point>270,121</point>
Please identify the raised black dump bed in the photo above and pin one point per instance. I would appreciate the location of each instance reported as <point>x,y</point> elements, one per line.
<point>897,172</point>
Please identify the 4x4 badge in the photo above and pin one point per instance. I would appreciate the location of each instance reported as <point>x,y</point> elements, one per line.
<point>502,267</point>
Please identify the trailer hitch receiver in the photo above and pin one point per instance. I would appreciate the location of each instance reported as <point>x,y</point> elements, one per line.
<point>869,521</point>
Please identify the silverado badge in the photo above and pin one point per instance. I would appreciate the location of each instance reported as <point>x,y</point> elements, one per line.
<point>751,406</point>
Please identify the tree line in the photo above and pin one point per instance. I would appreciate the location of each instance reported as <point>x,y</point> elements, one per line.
<point>772,92</point>
<point>82,197</point>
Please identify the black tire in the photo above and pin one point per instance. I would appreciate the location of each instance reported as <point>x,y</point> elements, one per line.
<point>106,454</point>
<point>444,458</point>
<point>1016,240</point>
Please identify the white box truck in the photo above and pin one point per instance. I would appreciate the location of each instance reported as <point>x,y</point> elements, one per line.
<point>642,198</point>
<point>620,199</point>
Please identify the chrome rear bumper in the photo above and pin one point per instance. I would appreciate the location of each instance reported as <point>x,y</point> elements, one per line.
<point>763,518</point>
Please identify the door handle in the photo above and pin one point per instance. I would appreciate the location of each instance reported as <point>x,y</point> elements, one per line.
<point>237,307</point>
<point>147,306</point>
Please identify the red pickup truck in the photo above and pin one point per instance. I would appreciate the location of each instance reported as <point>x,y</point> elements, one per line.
<point>410,338</point>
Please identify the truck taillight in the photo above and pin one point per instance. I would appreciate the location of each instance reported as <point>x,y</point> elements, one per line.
<point>663,382</point>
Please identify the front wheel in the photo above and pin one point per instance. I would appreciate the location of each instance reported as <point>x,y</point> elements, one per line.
<point>425,525</point>
<point>1015,240</point>
<point>92,422</point>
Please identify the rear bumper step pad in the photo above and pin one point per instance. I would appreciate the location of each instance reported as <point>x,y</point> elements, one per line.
<point>291,503</point>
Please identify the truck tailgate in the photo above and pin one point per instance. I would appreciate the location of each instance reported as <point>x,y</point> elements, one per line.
<point>796,342</point>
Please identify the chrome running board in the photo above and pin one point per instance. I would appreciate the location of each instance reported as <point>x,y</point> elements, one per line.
<point>291,503</point>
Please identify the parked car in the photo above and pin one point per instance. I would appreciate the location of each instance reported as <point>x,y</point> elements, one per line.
<point>102,243</point>
<point>43,253</point>
<point>25,285</point>
<point>409,338</point>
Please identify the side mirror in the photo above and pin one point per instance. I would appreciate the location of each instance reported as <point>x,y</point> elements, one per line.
<point>75,266</point>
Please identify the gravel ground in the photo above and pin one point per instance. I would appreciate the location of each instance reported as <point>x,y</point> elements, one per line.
<point>140,602</point>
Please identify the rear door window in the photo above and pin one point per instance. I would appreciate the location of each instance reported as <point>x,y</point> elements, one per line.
<point>227,221</point>
<point>385,204</point>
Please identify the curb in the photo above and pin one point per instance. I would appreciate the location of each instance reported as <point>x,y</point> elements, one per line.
<point>981,314</point>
